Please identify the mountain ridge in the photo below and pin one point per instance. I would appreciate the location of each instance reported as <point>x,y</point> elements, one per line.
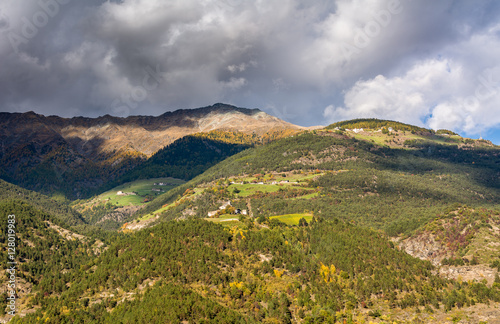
<point>91,150</point>
<point>181,122</point>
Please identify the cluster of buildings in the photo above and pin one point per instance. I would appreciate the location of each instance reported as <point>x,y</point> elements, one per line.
<point>224,206</point>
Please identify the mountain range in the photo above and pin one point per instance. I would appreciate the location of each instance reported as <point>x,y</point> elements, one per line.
<point>232,216</point>
<point>78,155</point>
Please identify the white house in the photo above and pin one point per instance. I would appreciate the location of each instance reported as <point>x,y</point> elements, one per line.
<point>225,205</point>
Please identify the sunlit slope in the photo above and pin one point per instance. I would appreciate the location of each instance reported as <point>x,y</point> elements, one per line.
<point>393,187</point>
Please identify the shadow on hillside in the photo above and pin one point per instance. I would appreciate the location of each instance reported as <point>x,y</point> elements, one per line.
<point>480,165</point>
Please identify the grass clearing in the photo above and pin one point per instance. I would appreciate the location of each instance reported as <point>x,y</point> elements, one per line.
<point>290,176</point>
<point>375,137</point>
<point>251,188</point>
<point>197,192</point>
<point>159,211</point>
<point>381,139</point>
<point>266,183</point>
<point>309,196</point>
<point>293,219</point>
<point>225,220</point>
<point>134,193</point>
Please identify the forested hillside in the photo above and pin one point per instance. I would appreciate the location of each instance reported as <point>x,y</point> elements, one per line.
<point>44,250</point>
<point>200,271</point>
<point>58,210</point>
<point>190,156</point>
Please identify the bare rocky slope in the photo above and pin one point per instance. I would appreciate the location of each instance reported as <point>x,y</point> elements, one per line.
<point>144,134</point>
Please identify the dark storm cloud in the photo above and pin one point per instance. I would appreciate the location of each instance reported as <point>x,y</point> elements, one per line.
<point>309,62</point>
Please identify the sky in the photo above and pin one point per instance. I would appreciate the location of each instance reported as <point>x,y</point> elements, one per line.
<point>429,63</point>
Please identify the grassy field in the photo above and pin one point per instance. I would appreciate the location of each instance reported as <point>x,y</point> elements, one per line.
<point>292,219</point>
<point>377,138</point>
<point>290,176</point>
<point>381,139</point>
<point>225,220</point>
<point>249,189</point>
<point>309,196</point>
<point>158,211</point>
<point>134,193</point>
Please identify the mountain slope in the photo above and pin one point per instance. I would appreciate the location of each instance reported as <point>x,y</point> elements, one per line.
<point>250,274</point>
<point>390,186</point>
<point>44,250</point>
<point>186,158</point>
<point>77,156</point>
<point>59,210</point>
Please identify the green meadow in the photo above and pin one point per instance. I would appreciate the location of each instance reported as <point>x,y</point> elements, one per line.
<point>135,193</point>
<point>292,219</point>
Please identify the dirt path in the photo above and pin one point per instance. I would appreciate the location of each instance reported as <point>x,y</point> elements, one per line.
<point>249,204</point>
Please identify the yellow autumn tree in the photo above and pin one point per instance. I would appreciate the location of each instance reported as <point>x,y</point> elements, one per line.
<point>278,273</point>
<point>327,272</point>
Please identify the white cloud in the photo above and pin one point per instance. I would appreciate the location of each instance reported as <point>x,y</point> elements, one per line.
<point>433,93</point>
<point>407,98</point>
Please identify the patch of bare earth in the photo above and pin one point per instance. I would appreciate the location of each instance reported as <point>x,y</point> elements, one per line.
<point>469,273</point>
<point>97,248</point>
<point>426,247</point>
<point>68,235</point>
<point>137,225</point>
<point>120,214</point>
<point>479,313</point>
